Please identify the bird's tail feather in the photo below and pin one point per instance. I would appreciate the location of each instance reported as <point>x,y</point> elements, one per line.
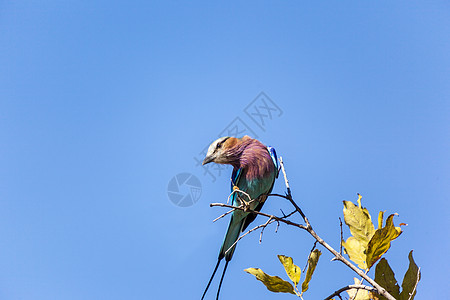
<point>221,279</point>
<point>212,276</point>
<point>234,229</point>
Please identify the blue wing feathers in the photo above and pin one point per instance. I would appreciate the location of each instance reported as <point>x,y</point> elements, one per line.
<point>274,156</point>
<point>235,177</point>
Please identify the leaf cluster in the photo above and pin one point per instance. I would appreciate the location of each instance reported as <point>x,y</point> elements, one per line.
<point>366,246</point>
<point>278,285</point>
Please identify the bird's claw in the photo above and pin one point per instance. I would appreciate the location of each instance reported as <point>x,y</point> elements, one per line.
<point>244,203</point>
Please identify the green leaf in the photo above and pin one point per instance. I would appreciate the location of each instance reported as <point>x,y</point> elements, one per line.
<point>312,263</point>
<point>356,251</point>
<point>359,221</point>
<point>411,279</point>
<point>293,271</point>
<point>381,241</point>
<point>360,294</point>
<point>273,283</point>
<point>385,277</point>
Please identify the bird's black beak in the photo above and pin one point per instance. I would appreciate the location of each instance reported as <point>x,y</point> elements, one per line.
<point>207,160</point>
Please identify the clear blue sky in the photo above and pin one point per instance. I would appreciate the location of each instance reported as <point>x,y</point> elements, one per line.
<point>102,103</point>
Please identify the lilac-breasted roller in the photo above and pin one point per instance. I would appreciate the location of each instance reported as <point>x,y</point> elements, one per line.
<point>255,167</point>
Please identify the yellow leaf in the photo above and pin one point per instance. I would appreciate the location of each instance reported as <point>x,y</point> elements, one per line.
<point>359,221</point>
<point>411,279</point>
<point>360,294</point>
<point>380,219</point>
<point>293,271</point>
<point>381,241</point>
<point>384,276</point>
<point>272,283</point>
<point>312,263</point>
<point>355,250</point>
<point>359,200</point>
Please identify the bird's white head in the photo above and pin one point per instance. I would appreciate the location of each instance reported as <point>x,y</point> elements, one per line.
<point>216,151</point>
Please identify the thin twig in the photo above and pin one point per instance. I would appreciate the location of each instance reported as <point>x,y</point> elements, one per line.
<point>263,226</point>
<point>278,225</point>
<point>289,195</point>
<point>286,181</point>
<point>349,287</point>
<point>269,221</point>
<point>342,236</point>
<point>340,241</point>
<point>278,195</point>
<point>360,282</point>
<point>262,230</point>
<point>223,215</point>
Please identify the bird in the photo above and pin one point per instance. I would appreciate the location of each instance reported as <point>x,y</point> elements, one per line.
<point>255,168</point>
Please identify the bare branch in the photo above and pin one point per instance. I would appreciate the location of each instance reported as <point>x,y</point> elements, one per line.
<point>337,256</point>
<point>349,287</point>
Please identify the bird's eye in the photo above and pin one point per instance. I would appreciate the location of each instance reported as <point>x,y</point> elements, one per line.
<point>219,145</point>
